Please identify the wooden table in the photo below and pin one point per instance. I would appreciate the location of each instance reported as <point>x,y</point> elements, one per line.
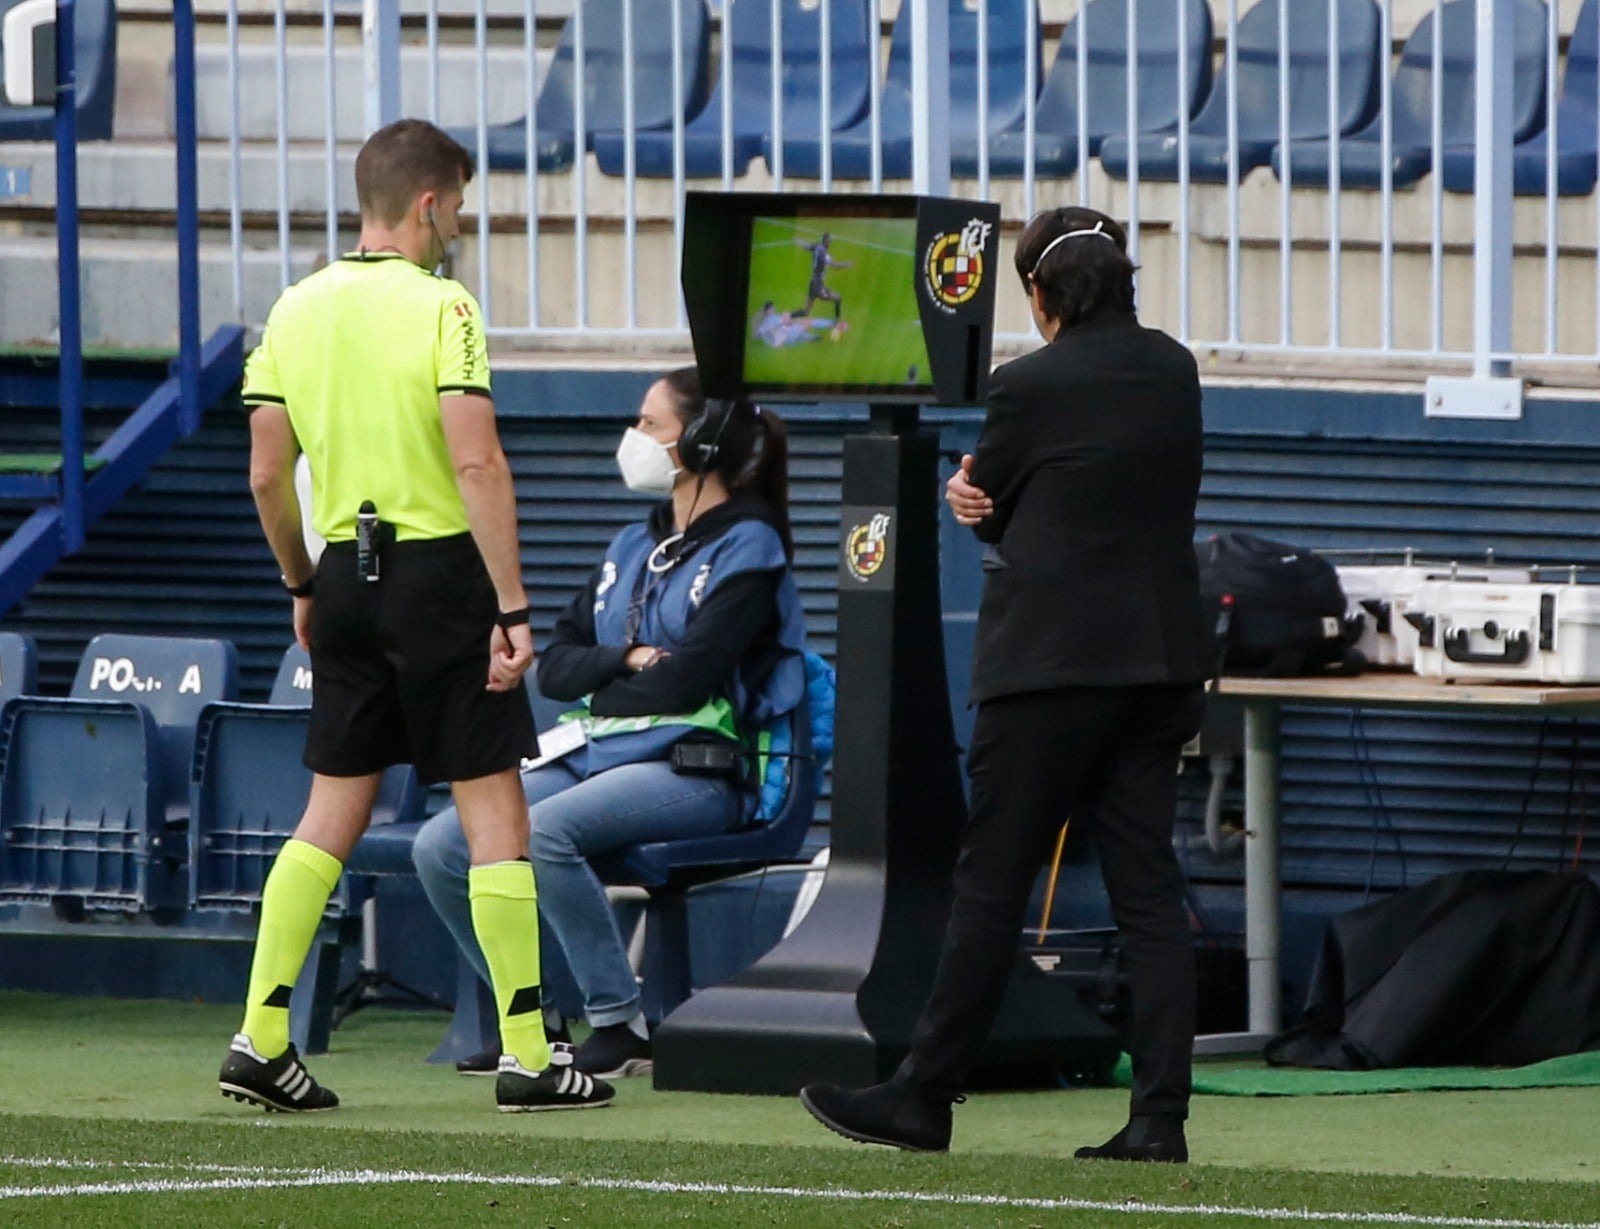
<point>1263,700</point>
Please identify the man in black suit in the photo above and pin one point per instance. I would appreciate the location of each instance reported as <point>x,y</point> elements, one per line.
<point>1087,675</point>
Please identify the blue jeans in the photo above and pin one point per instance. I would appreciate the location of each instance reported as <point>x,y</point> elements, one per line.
<point>572,820</point>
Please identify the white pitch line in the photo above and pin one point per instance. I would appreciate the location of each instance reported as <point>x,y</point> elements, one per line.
<point>288,1179</point>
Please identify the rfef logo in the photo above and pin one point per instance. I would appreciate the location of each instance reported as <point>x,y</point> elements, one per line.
<point>953,266</point>
<point>867,546</point>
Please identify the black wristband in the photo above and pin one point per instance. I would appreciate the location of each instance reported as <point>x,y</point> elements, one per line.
<point>507,619</point>
<point>303,589</point>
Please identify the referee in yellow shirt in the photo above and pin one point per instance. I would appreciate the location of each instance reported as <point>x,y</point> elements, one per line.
<point>415,618</point>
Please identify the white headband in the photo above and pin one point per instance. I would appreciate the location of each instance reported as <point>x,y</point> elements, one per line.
<point>1097,229</point>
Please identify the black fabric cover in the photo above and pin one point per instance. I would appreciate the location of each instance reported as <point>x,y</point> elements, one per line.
<point>1492,968</point>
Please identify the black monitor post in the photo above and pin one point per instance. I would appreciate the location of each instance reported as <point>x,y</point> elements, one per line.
<point>838,997</point>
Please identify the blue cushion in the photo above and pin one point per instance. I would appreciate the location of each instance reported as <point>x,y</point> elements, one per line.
<point>852,40</point>
<point>1259,52</point>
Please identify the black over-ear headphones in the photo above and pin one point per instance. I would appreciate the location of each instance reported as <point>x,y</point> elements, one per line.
<point>700,442</point>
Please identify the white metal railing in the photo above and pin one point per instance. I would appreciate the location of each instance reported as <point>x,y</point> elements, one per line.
<point>1262,263</point>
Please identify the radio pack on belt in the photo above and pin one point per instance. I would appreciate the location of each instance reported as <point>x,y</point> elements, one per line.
<point>1275,609</point>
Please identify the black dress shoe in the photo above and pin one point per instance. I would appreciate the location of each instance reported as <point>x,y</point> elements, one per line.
<point>883,1114</point>
<point>1151,1138</point>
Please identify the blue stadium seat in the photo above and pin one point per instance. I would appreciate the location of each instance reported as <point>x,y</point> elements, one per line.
<point>1310,84</point>
<point>95,24</point>
<point>853,39</point>
<point>1010,36</point>
<point>19,665</point>
<point>604,79</point>
<point>1577,127</point>
<point>94,790</point>
<point>250,789</point>
<point>1055,141</point>
<point>1361,154</point>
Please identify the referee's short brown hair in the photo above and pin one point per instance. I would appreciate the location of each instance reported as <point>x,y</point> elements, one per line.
<point>401,161</point>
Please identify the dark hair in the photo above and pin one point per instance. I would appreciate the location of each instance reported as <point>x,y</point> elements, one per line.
<point>1079,277</point>
<point>403,160</point>
<point>752,450</point>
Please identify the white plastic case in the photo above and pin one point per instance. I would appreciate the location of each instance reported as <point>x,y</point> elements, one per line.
<point>1380,595</point>
<point>1546,633</point>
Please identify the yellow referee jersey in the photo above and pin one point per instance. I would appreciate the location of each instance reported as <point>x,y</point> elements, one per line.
<point>359,353</point>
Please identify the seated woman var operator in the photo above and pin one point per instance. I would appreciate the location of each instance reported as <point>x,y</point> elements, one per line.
<point>688,634</point>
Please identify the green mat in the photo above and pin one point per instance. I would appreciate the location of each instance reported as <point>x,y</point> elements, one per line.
<point>1258,1081</point>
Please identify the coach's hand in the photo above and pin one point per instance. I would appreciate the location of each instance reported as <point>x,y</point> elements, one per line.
<point>970,504</point>
<point>510,655</point>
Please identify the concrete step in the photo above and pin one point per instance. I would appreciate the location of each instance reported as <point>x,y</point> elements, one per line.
<point>138,176</point>
<point>448,10</point>
<point>144,103</point>
<point>130,288</point>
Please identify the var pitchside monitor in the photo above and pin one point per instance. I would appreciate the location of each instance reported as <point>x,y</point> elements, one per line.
<point>817,297</point>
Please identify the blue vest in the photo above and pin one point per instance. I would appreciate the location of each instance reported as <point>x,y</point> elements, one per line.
<point>663,599</point>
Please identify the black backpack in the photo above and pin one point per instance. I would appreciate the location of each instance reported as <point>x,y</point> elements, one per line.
<point>1274,609</point>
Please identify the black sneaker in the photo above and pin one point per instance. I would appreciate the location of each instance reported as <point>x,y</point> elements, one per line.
<point>487,1062</point>
<point>560,1086</point>
<point>613,1052</point>
<point>281,1083</point>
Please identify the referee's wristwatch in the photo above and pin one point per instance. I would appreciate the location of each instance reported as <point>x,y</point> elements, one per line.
<point>303,589</point>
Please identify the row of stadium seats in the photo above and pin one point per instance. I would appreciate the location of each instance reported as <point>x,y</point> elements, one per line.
<point>745,93</point>
<point>152,797</point>
<point>151,789</point>
<point>1566,144</point>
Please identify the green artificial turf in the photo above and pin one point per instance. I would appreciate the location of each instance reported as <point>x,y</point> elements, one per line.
<point>96,1092</point>
<point>1575,1070</point>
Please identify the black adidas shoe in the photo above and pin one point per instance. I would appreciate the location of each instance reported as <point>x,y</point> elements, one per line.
<point>560,1086</point>
<point>613,1052</point>
<point>281,1083</point>
<point>487,1062</point>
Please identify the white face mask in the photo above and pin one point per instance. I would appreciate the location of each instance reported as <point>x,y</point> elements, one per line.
<point>646,463</point>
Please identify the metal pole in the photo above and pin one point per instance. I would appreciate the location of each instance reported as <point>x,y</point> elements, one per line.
<point>380,61</point>
<point>1262,873</point>
<point>1491,263</point>
<point>71,323</point>
<point>930,96</point>
<point>183,74</point>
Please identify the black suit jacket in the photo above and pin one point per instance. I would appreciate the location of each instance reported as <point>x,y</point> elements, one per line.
<point>1091,451</point>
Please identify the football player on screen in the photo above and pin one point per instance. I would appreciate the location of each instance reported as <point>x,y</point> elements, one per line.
<point>821,262</point>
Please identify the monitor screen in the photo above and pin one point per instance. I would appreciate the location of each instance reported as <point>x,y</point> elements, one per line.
<point>886,299</point>
<point>831,305</point>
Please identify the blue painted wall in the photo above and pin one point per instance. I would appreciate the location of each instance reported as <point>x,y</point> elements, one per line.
<point>1371,802</point>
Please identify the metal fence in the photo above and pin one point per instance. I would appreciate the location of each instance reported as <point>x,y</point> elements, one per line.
<point>1447,219</point>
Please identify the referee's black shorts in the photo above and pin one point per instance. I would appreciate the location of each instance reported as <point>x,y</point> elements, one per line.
<point>399,667</point>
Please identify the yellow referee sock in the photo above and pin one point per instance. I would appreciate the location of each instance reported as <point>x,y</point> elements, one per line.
<point>296,893</point>
<point>505,917</point>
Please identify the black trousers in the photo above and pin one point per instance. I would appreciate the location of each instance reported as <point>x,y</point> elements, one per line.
<point>1108,757</point>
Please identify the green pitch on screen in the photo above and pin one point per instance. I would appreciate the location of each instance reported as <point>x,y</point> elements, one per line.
<point>877,340</point>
